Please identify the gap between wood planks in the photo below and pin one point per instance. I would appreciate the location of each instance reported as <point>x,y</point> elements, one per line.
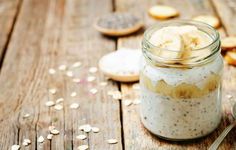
<point>5,47</point>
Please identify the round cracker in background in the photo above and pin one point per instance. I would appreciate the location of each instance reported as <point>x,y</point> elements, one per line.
<point>228,43</point>
<point>230,58</point>
<point>118,24</point>
<point>208,19</point>
<point>121,65</point>
<point>163,12</point>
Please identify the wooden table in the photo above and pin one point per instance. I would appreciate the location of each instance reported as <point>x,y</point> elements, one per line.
<point>37,35</point>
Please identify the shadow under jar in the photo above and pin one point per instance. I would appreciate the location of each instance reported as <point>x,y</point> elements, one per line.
<point>181,97</point>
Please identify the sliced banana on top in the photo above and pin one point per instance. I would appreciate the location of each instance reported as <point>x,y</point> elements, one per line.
<point>169,42</point>
<point>176,42</point>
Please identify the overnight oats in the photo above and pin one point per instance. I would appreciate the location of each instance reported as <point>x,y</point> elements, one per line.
<point>180,79</point>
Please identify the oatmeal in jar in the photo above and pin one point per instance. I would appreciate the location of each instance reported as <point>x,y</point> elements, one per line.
<point>180,80</point>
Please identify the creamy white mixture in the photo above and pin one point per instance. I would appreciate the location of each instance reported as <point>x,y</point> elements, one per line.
<point>180,119</point>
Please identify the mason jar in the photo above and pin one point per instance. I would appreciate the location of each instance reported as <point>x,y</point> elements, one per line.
<point>181,98</point>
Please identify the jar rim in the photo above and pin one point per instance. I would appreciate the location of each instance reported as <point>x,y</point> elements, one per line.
<point>213,47</point>
<point>182,22</point>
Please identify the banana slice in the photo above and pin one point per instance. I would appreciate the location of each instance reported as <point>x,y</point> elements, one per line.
<point>163,12</point>
<point>228,43</point>
<point>208,19</point>
<point>169,42</point>
<point>230,57</point>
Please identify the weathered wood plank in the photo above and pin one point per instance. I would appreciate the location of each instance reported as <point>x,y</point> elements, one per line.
<point>135,136</point>
<point>8,15</point>
<point>49,33</point>
<point>227,12</point>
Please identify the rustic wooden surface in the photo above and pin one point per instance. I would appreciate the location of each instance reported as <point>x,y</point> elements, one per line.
<point>38,35</point>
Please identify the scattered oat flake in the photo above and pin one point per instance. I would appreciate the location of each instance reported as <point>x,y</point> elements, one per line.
<point>54,131</point>
<point>15,147</point>
<point>95,129</point>
<point>76,80</point>
<point>137,101</point>
<point>26,115</point>
<point>93,69</point>
<point>26,142</point>
<point>58,107</point>
<point>49,103</point>
<point>83,147</point>
<point>112,141</point>
<point>59,100</point>
<point>69,74</point>
<point>62,67</point>
<point>103,83</point>
<point>50,128</point>
<point>229,96</point>
<point>41,139</point>
<point>127,102</point>
<point>74,106</point>
<point>81,137</point>
<point>76,64</point>
<point>51,71</point>
<point>49,136</point>
<point>91,78</point>
<point>116,95</point>
<point>73,94</point>
<point>53,91</point>
<point>87,128</point>
<point>93,90</point>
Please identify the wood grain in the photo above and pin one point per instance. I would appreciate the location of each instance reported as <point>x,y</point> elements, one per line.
<point>49,33</point>
<point>135,135</point>
<point>226,9</point>
<point>8,16</point>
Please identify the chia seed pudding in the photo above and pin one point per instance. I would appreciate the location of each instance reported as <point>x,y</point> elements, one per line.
<point>181,97</point>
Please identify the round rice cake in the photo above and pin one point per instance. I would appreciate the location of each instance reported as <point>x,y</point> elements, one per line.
<point>118,24</point>
<point>121,65</point>
<point>162,12</point>
<point>208,19</point>
<point>228,43</point>
<point>230,58</point>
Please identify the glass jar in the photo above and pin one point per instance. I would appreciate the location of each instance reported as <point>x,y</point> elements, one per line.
<point>181,98</point>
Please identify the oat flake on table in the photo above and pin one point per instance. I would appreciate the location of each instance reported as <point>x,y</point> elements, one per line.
<point>40,139</point>
<point>93,91</point>
<point>58,107</point>
<point>51,71</point>
<point>49,103</point>
<point>74,106</point>
<point>81,137</point>
<point>69,74</point>
<point>93,69</point>
<point>76,64</point>
<point>91,78</point>
<point>62,67</point>
<point>15,147</point>
<point>112,141</point>
<point>49,136</point>
<point>83,147</point>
